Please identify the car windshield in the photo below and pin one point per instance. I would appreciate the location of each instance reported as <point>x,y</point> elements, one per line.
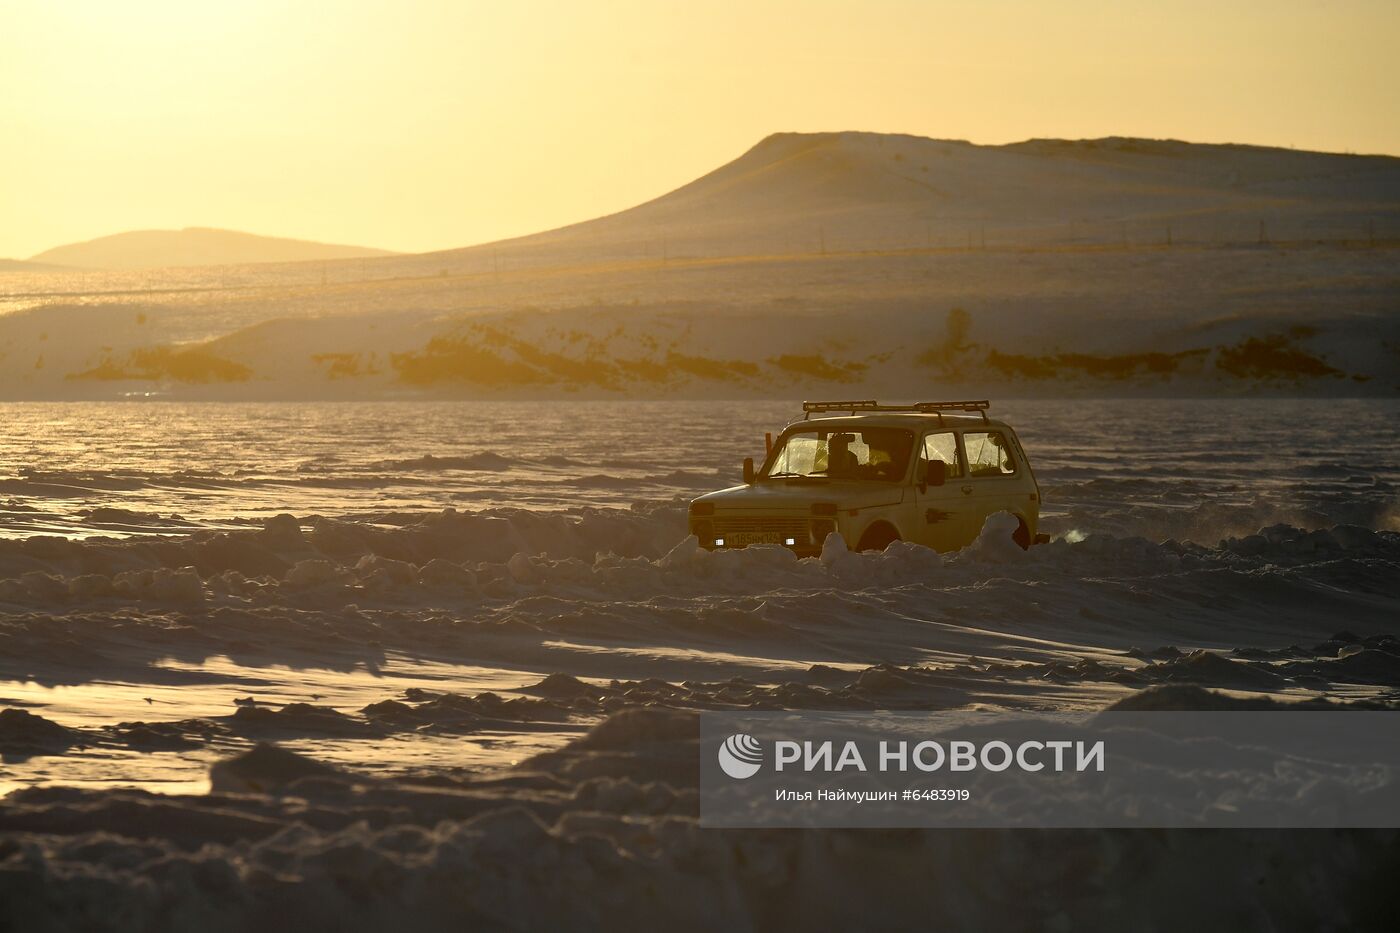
<point>878,454</point>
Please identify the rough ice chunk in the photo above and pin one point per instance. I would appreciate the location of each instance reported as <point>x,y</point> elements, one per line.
<point>834,549</point>
<point>521,569</point>
<point>995,542</point>
<point>312,573</point>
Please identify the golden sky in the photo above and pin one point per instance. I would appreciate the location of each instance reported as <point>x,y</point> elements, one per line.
<point>430,124</point>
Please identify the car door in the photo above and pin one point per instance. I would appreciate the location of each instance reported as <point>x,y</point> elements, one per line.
<point>942,517</point>
<point>993,478</point>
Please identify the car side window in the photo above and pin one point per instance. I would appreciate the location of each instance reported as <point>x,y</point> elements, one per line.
<point>988,454</point>
<point>943,446</point>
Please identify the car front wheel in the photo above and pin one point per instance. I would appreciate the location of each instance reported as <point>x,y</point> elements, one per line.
<point>877,538</point>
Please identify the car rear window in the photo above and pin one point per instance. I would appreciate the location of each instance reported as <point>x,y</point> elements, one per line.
<point>988,454</point>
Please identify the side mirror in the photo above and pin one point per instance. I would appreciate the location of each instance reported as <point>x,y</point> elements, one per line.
<point>748,470</point>
<point>933,473</point>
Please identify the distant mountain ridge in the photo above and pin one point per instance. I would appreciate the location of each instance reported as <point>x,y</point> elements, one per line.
<point>836,265</point>
<point>863,191</point>
<point>808,192</point>
<point>1039,181</point>
<point>194,246</point>
<point>20,265</point>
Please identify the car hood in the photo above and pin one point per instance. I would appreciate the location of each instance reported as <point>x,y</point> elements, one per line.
<point>799,496</point>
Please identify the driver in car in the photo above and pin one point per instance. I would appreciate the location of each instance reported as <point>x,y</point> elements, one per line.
<point>889,452</point>
<point>840,461</point>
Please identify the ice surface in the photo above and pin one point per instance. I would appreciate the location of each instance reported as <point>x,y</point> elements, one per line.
<point>498,659</point>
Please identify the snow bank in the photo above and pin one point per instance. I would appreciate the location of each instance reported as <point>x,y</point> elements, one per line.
<point>607,827</point>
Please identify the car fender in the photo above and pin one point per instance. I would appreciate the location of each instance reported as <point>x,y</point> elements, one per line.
<point>871,523</point>
<point>1024,523</point>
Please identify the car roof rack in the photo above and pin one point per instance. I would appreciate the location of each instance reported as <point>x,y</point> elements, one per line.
<point>970,406</point>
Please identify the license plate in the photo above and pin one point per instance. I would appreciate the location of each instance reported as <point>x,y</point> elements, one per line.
<point>744,538</point>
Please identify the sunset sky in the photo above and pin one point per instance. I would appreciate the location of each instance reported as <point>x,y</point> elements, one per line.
<point>430,124</point>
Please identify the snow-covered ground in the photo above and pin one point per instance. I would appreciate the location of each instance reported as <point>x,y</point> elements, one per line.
<point>485,632</point>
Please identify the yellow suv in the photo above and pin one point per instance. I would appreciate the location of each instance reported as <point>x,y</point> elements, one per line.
<point>930,473</point>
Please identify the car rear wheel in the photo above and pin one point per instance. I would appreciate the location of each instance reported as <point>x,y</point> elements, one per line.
<point>1022,536</point>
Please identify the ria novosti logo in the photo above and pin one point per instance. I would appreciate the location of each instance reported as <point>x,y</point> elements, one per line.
<point>740,756</point>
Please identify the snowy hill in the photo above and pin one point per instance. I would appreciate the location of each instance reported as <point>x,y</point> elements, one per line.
<point>848,262</point>
<point>193,246</point>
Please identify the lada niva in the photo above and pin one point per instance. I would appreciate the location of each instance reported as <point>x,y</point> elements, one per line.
<point>930,473</point>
